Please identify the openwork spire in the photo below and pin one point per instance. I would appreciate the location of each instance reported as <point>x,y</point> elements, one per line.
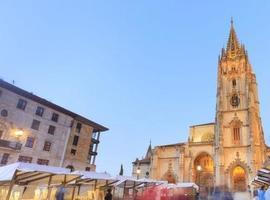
<point>233,45</point>
<point>234,48</point>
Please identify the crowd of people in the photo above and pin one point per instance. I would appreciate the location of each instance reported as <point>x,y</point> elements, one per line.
<point>223,193</point>
<point>262,193</point>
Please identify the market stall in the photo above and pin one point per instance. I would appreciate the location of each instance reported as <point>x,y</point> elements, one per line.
<point>262,178</point>
<point>91,185</point>
<point>32,181</point>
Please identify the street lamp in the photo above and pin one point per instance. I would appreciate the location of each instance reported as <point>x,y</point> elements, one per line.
<point>138,172</point>
<point>199,169</point>
<point>18,133</point>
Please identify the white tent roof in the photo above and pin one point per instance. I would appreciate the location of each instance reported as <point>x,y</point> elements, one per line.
<point>127,181</point>
<point>28,172</point>
<point>185,185</point>
<point>94,175</point>
<point>130,181</point>
<point>182,185</point>
<point>95,178</point>
<point>258,179</point>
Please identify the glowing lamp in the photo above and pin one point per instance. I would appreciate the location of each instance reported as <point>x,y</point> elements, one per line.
<point>199,168</point>
<point>19,133</point>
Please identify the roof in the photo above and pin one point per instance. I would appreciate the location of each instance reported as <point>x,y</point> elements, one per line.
<point>171,145</point>
<point>97,127</point>
<point>206,124</point>
<point>142,161</point>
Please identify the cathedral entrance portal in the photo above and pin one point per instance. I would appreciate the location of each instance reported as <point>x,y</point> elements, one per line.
<point>239,181</point>
<point>204,170</point>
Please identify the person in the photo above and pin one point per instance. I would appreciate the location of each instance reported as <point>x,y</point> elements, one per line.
<point>226,193</point>
<point>217,193</point>
<point>108,195</point>
<point>261,193</point>
<point>267,194</point>
<point>203,193</point>
<point>249,190</point>
<point>60,193</point>
<point>255,195</point>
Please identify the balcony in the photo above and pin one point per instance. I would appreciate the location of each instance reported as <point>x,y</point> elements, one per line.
<point>10,145</point>
<point>93,153</point>
<point>95,141</point>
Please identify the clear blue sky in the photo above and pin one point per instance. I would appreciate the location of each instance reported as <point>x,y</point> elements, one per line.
<point>145,69</point>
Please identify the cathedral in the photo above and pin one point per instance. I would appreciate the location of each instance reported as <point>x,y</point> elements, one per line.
<point>228,151</point>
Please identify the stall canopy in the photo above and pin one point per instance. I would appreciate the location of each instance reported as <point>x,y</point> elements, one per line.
<point>127,182</point>
<point>98,179</point>
<point>27,173</point>
<point>187,185</point>
<point>182,185</point>
<point>262,178</point>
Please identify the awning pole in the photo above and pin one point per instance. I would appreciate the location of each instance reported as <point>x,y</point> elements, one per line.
<point>134,185</point>
<point>95,186</point>
<point>79,190</point>
<point>49,188</point>
<point>24,190</point>
<point>12,183</point>
<point>124,189</point>
<point>73,193</point>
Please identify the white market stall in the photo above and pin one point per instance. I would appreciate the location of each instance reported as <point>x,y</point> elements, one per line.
<point>28,181</point>
<point>32,181</point>
<point>92,185</point>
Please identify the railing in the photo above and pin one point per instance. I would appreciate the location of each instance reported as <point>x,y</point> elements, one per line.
<point>10,144</point>
<point>96,141</point>
<point>93,153</point>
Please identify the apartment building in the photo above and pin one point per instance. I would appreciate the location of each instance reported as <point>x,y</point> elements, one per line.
<point>35,130</point>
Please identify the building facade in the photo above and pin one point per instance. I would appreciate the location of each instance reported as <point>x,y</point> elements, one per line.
<point>230,150</point>
<point>35,130</point>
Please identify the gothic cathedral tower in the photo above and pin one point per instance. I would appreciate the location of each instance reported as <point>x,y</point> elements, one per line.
<point>239,140</point>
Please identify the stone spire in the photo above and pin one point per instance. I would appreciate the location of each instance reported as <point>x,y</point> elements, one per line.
<point>149,151</point>
<point>234,48</point>
<point>233,45</point>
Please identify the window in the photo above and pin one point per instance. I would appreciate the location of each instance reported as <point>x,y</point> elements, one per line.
<point>30,142</point>
<point>4,113</point>
<point>21,104</point>
<point>47,146</point>
<point>42,162</point>
<point>40,111</point>
<point>91,148</point>
<point>87,169</point>
<point>1,133</point>
<point>73,151</point>
<point>75,140</point>
<point>234,82</point>
<point>55,117</point>
<point>236,135</point>
<point>25,159</point>
<point>4,159</point>
<point>51,130</point>
<point>35,124</point>
<point>78,127</point>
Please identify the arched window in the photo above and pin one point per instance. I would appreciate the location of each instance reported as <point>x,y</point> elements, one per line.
<point>234,83</point>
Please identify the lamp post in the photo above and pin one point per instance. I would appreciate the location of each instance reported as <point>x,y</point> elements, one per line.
<point>199,169</point>
<point>138,171</point>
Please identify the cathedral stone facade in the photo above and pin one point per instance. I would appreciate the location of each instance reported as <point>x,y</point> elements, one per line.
<point>230,150</point>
